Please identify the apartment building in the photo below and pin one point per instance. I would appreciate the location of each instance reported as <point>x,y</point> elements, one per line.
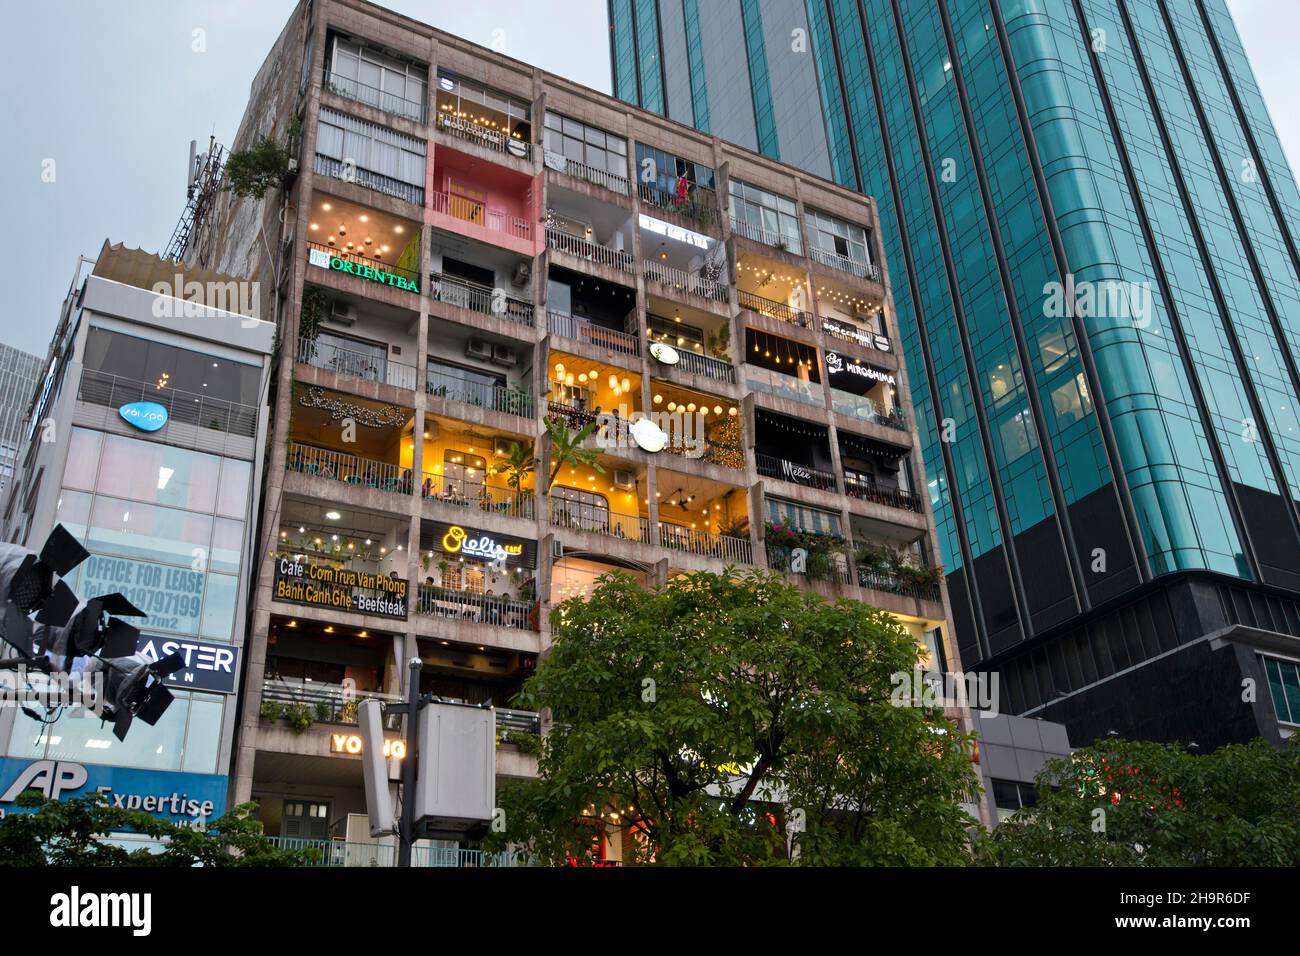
<point>467,247</point>
<point>19,373</point>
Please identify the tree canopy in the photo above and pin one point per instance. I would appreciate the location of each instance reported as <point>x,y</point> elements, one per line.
<point>718,713</point>
<point>1135,803</point>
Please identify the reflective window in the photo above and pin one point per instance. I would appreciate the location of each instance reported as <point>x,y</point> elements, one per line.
<point>162,368</point>
<point>232,493</point>
<point>83,457</point>
<point>159,474</point>
<point>146,531</point>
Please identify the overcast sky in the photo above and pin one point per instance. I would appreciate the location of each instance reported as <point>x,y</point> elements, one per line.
<point>113,92</point>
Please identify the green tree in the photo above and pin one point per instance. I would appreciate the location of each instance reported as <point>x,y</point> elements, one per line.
<point>1135,803</point>
<point>710,713</point>
<point>250,172</point>
<point>567,450</point>
<point>69,833</point>
<point>518,466</point>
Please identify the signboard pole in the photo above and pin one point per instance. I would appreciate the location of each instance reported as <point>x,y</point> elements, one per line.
<point>406,832</point>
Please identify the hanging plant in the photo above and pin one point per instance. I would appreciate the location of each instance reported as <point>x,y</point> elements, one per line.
<point>312,315</point>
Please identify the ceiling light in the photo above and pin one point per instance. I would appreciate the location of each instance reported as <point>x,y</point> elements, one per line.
<point>332,516</point>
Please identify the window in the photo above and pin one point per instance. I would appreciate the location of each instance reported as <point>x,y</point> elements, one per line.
<point>371,148</point>
<point>464,473</point>
<point>676,333</point>
<point>665,170</point>
<point>159,474</point>
<point>587,145</point>
<point>837,238</point>
<point>575,508</point>
<point>1012,795</point>
<point>1071,402</point>
<point>464,100</point>
<point>765,216</point>
<point>163,368</point>
<point>1284,686</point>
<point>780,511</point>
<point>373,78</point>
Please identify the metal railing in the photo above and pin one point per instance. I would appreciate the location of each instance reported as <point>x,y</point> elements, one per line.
<point>863,270</point>
<point>372,96</point>
<point>773,309</point>
<point>867,409</point>
<point>770,466</point>
<point>465,294</point>
<point>894,497</point>
<point>893,584</point>
<point>600,177</point>
<point>327,703</point>
<point>683,281</point>
<point>856,336</point>
<point>363,365</point>
<point>830,565</point>
<point>471,210</point>
<point>360,260</point>
<point>699,204</point>
<point>351,173</point>
<point>761,234</point>
<point>724,546</point>
<point>591,251</point>
<point>510,399</point>
<point>706,365</point>
<point>572,327</point>
<point>341,853</point>
<point>183,408</point>
<point>598,520</point>
<point>784,386</point>
<point>466,493</point>
<point>497,140</point>
<point>526,721</point>
<point>496,610</point>
<point>349,469</point>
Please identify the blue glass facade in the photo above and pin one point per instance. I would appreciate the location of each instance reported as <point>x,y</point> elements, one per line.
<point>1091,233</point>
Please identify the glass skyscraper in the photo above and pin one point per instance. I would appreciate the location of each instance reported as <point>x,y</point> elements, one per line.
<point>1093,238</point>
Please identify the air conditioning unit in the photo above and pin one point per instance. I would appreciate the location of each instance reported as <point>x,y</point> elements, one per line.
<point>478,349</point>
<point>557,548</point>
<point>501,447</point>
<point>523,273</point>
<point>343,312</point>
<point>624,479</point>
<point>504,355</point>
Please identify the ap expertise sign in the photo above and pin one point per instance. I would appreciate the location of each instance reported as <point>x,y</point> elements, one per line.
<point>178,797</point>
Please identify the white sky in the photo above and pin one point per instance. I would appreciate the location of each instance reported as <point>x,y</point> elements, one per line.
<point>113,92</point>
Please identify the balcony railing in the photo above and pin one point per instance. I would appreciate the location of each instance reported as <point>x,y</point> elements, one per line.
<point>473,211</point>
<point>706,365</point>
<point>341,853</point>
<point>724,546</point>
<point>497,140</point>
<point>510,399</point>
<point>349,469</point>
<point>832,566</point>
<point>597,520</point>
<point>761,234</point>
<point>377,98</point>
<point>470,606</point>
<point>893,584</point>
<point>772,467</point>
<point>363,365</point>
<point>699,204</point>
<point>893,497</point>
<point>683,281</point>
<point>867,409</point>
<point>784,386</point>
<point>572,327</point>
<point>525,721</point>
<point>773,309</point>
<point>328,703</point>
<point>863,270</point>
<point>183,408</point>
<point>351,173</point>
<point>479,298</point>
<point>591,251</point>
<point>464,493</point>
<point>600,177</point>
<point>854,335</point>
<point>366,261</point>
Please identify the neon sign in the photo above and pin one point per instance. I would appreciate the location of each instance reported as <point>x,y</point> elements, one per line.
<point>321,258</point>
<point>458,541</point>
<point>659,227</point>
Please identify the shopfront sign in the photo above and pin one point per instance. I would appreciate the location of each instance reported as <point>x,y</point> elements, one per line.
<point>464,542</point>
<point>351,744</point>
<point>854,334</point>
<point>661,228</point>
<point>208,666</point>
<point>146,416</point>
<point>178,797</point>
<point>846,369</point>
<point>339,589</point>
<point>648,436</point>
<point>171,597</point>
<point>664,353</point>
<point>323,260</point>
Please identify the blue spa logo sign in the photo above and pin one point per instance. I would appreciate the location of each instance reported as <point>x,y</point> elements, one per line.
<point>146,416</point>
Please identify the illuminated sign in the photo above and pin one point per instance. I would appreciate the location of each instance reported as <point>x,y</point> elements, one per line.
<point>146,416</point>
<point>458,541</point>
<point>179,797</point>
<point>648,436</point>
<point>854,334</point>
<point>665,353</point>
<point>351,744</point>
<point>836,364</point>
<point>208,665</point>
<point>340,589</point>
<point>321,258</point>
<point>659,227</point>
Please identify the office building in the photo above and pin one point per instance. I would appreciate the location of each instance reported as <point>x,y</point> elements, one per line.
<point>19,373</point>
<point>1094,248</point>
